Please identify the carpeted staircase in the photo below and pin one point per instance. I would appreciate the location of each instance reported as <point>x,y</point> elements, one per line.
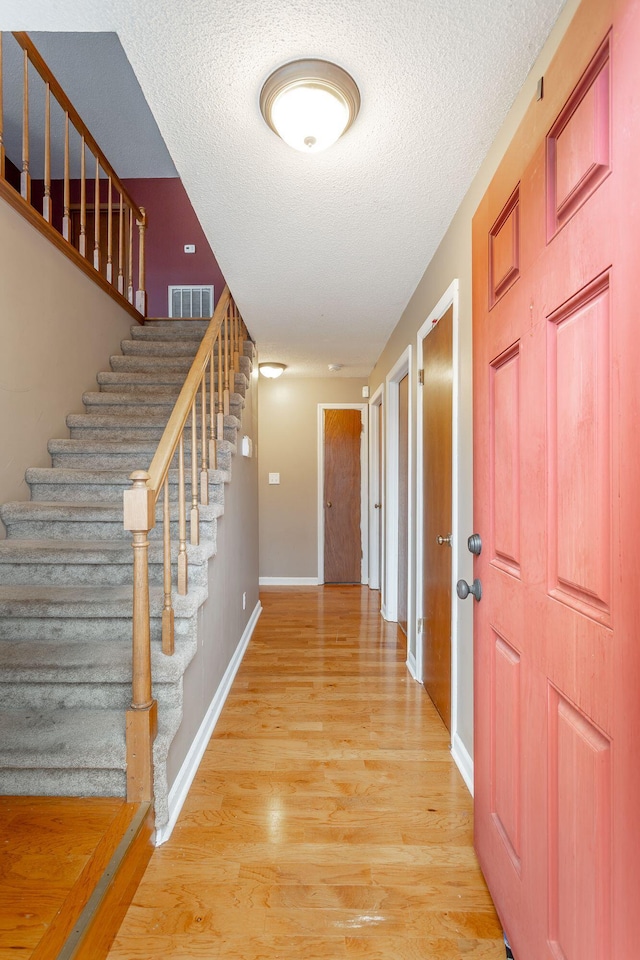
<point>66,574</point>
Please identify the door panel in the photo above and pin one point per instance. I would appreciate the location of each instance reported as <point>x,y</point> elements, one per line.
<point>342,496</point>
<point>557,404</point>
<point>437,412</point>
<point>403,501</point>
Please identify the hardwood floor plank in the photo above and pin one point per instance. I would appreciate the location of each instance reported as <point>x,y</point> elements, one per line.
<point>327,820</point>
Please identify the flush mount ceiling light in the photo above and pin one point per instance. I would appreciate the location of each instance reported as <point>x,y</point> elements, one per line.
<point>272,370</point>
<point>310,103</point>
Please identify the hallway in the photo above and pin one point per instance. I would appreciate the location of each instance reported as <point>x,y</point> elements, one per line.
<point>327,819</point>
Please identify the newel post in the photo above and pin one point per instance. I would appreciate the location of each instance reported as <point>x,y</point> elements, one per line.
<point>139,518</point>
<point>141,293</point>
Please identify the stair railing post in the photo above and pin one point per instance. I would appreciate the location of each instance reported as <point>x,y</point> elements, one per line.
<point>141,721</point>
<point>141,293</point>
<point>204,459</point>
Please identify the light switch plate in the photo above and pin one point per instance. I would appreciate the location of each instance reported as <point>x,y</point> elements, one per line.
<point>274,478</point>
<point>189,248</point>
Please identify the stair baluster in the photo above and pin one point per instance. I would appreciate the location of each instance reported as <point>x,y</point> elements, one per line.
<point>213,452</point>
<point>204,469</point>
<point>194,518</point>
<point>182,525</point>
<point>168,618</point>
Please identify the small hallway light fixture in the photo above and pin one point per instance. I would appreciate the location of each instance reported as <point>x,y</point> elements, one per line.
<point>272,370</point>
<point>310,103</point>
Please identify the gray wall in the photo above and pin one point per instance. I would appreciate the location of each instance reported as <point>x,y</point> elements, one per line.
<point>288,442</point>
<point>233,570</point>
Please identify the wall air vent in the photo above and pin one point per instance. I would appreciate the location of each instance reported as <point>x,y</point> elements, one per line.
<point>188,302</point>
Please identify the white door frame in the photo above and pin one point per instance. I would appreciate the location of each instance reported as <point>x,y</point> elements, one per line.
<point>376,488</point>
<point>401,368</point>
<point>448,299</point>
<point>364,485</point>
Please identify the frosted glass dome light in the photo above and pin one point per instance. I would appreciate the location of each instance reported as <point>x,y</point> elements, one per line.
<point>310,103</point>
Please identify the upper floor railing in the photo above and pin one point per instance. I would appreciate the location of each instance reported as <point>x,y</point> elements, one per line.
<point>54,173</point>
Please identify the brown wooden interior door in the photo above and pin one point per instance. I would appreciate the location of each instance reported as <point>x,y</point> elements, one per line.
<point>403,501</point>
<point>437,406</point>
<point>342,496</point>
<point>379,511</point>
<point>556,243</point>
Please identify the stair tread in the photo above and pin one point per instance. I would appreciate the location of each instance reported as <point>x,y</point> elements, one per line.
<point>99,601</point>
<point>162,334</point>
<point>131,419</point>
<point>90,551</point>
<point>64,445</point>
<point>47,661</point>
<point>50,738</point>
<point>87,475</point>
<point>82,511</point>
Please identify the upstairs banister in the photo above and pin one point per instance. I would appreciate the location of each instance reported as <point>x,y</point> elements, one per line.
<point>35,58</point>
<point>31,161</point>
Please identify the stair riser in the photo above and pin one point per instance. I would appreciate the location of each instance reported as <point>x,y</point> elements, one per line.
<point>89,432</point>
<point>110,493</point>
<point>83,574</point>
<point>77,530</point>
<point>167,334</point>
<point>124,462</point>
<point>62,783</point>
<point>143,389</point>
<point>156,348</point>
<point>149,390</point>
<point>121,364</point>
<point>158,406</point>
<point>57,696</point>
<point>100,629</point>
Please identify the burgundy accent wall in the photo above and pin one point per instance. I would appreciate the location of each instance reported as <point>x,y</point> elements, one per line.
<point>172,222</point>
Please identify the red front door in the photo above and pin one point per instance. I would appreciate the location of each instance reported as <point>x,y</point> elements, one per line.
<point>557,400</point>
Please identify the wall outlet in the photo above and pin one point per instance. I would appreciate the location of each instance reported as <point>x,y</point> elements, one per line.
<point>189,248</point>
<point>274,478</point>
<point>244,601</point>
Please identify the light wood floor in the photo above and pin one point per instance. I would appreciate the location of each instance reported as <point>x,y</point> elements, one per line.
<point>52,850</point>
<point>327,819</point>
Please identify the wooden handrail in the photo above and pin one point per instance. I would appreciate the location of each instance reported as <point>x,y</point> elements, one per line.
<point>41,66</point>
<point>167,447</point>
<point>140,503</point>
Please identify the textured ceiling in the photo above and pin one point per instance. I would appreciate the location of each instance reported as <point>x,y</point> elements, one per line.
<point>321,251</point>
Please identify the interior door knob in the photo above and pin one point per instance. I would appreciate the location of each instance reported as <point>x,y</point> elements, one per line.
<point>443,540</point>
<point>377,506</point>
<point>463,589</point>
<point>328,503</point>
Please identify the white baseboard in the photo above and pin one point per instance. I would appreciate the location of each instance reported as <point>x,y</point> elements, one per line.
<point>288,581</point>
<point>412,666</point>
<point>189,768</point>
<point>463,761</point>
